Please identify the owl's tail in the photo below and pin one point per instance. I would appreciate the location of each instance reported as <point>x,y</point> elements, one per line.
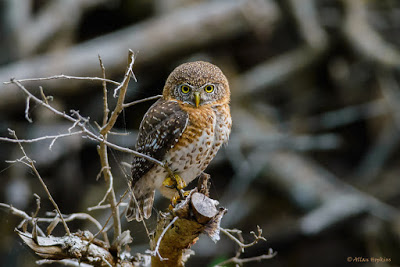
<point>142,209</point>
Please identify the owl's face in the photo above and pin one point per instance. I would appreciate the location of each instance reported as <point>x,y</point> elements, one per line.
<point>197,95</point>
<point>197,84</point>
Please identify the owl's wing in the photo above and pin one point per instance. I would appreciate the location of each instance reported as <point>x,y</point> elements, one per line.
<point>159,131</point>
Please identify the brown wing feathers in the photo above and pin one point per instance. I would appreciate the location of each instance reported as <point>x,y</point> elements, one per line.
<point>160,130</point>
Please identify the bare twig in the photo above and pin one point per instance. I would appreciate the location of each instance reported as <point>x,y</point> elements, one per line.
<point>108,124</point>
<point>105,97</point>
<point>102,230</point>
<point>121,97</point>
<point>242,246</point>
<point>240,262</point>
<point>257,237</point>
<point>28,100</point>
<point>106,206</point>
<point>67,77</point>
<point>156,252</point>
<point>33,140</point>
<point>21,214</point>
<point>33,167</point>
<point>44,97</point>
<point>127,105</point>
<point>77,122</point>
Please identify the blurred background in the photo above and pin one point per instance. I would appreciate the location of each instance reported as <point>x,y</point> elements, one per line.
<point>313,157</point>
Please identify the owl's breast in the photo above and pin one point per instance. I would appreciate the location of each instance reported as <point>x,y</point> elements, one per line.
<point>196,142</point>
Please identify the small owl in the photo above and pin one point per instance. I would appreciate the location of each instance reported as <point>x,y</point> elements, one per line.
<point>184,129</point>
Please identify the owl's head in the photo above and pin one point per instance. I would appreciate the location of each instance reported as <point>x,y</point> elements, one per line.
<point>197,83</point>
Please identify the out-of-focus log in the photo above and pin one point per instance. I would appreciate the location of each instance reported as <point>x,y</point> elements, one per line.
<point>185,28</point>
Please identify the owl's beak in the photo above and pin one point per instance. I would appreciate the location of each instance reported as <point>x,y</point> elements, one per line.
<point>197,99</point>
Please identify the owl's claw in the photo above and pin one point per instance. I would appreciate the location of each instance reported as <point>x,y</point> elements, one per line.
<point>177,198</point>
<point>168,182</point>
<point>174,182</point>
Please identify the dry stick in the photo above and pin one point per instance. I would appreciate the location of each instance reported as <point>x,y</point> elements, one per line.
<point>110,192</point>
<point>105,224</point>
<point>108,124</point>
<point>122,88</point>
<point>86,131</point>
<point>105,100</point>
<point>54,137</point>
<point>43,95</point>
<point>67,77</point>
<point>241,244</point>
<point>127,105</point>
<point>78,216</point>
<point>22,214</point>
<point>114,115</point>
<point>239,262</point>
<point>32,166</point>
<point>90,135</point>
<point>156,252</point>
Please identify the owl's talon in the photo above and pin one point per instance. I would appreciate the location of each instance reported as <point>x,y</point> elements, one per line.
<point>180,183</point>
<point>168,182</point>
<point>175,182</point>
<point>177,198</point>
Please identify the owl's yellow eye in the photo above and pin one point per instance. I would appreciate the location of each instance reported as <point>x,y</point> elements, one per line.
<point>185,89</point>
<point>209,88</point>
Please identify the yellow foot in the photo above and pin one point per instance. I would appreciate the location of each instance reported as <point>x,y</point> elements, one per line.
<point>176,181</point>
<point>177,198</point>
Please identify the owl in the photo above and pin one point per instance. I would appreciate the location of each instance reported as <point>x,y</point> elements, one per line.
<point>184,129</point>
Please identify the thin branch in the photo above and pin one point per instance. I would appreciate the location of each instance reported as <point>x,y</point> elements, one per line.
<point>85,130</point>
<point>43,95</point>
<point>21,214</point>
<point>104,226</point>
<point>37,205</point>
<point>240,262</point>
<point>127,105</point>
<point>103,207</point>
<point>122,88</point>
<point>54,137</point>
<point>33,167</point>
<point>108,124</point>
<point>156,252</point>
<point>67,77</point>
<point>257,238</point>
<point>28,100</point>
<point>68,218</point>
<point>105,98</point>
<point>110,184</point>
